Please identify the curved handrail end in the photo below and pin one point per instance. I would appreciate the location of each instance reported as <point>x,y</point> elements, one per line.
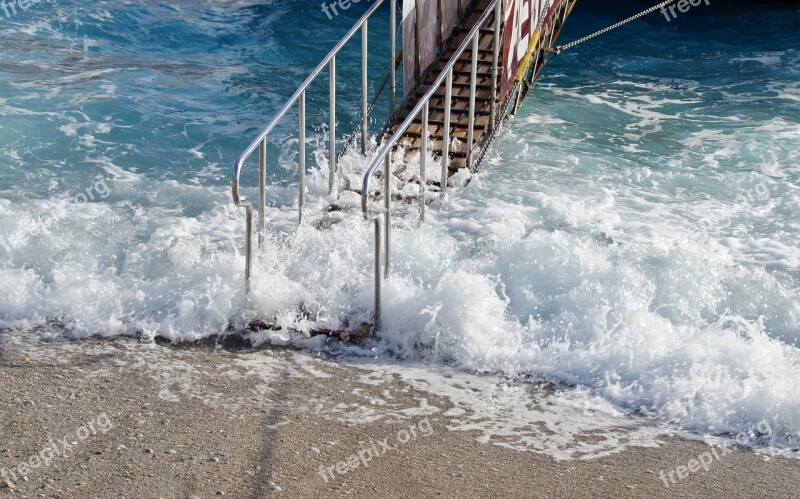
<point>235,192</point>
<point>364,208</point>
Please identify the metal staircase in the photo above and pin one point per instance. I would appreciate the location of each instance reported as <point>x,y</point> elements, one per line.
<point>449,118</point>
<point>415,130</point>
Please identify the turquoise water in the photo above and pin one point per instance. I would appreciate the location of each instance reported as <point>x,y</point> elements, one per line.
<point>634,231</point>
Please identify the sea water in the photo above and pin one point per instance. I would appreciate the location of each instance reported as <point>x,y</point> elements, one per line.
<point>632,237</point>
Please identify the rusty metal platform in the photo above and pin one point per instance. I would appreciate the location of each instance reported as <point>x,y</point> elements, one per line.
<point>412,140</point>
<point>459,116</point>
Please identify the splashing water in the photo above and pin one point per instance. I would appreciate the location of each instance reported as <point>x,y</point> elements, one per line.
<point>633,233</point>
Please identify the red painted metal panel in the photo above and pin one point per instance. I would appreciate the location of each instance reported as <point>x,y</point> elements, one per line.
<point>522,18</point>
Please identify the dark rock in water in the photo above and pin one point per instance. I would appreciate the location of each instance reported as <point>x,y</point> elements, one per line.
<point>603,238</point>
<point>345,333</point>
<point>261,325</point>
<point>234,341</point>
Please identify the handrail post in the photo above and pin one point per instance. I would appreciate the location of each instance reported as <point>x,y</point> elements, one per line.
<point>448,101</point>
<point>262,192</point>
<point>364,106</point>
<point>332,99</point>
<point>248,255</point>
<point>301,200</point>
<point>423,159</point>
<point>393,49</point>
<point>377,292</point>
<point>387,205</point>
<point>472,89</point>
<point>495,62</point>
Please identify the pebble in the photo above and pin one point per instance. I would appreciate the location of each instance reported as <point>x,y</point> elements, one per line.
<point>8,485</point>
<point>148,451</point>
<point>275,487</point>
<point>121,447</point>
<point>314,450</point>
<point>214,459</point>
<point>172,451</point>
<point>220,493</point>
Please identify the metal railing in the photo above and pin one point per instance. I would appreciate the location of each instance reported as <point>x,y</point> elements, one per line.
<point>384,155</point>
<point>299,97</point>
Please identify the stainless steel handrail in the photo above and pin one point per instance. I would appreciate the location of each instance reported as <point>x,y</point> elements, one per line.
<point>308,81</point>
<point>446,73</point>
<point>422,107</point>
<point>260,142</point>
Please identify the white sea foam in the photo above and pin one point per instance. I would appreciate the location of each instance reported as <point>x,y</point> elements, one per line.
<point>633,241</point>
<point>573,286</point>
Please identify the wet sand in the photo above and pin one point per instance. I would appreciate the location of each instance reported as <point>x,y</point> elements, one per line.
<point>154,421</point>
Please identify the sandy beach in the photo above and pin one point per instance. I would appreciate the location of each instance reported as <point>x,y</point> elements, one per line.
<point>122,419</point>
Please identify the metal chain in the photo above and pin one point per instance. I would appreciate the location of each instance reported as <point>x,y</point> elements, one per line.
<point>352,137</point>
<point>512,94</point>
<point>510,97</point>
<point>500,118</point>
<point>349,142</point>
<point>612,27</point>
